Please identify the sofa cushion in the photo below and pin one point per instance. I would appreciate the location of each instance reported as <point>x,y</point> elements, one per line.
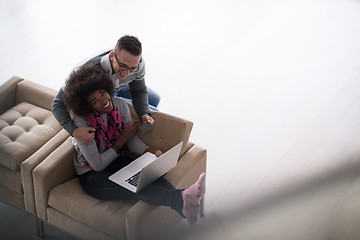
<point>105,216</point>
<point>168,131</point>
<point>31,92</point>
<point>23,130</point>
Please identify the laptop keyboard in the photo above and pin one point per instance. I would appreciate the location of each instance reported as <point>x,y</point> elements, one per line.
<point>134,180</point>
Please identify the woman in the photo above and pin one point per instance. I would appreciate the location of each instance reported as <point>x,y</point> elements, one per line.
<point>87,95</point>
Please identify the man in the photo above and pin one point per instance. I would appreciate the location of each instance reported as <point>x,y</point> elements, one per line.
<point>126,68</point>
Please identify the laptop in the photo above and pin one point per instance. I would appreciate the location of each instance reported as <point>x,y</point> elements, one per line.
<point>146,169</point>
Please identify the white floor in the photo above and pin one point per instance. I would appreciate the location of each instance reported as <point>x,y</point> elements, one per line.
<point>273,88</point>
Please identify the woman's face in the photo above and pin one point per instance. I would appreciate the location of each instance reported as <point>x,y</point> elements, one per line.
<point>100,101</point>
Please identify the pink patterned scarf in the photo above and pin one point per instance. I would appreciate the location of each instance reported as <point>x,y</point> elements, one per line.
<point>109,134</point>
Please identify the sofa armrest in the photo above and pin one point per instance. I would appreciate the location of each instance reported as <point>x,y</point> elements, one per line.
<point>57,168</point>
<point>7,93</point>
<point>144,219</point>
<point>31,92</point>
<point>31,162</point>
<point>188,168</point>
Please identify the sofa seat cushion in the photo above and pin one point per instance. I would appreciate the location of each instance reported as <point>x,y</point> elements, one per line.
<point>23,130</point>
<point>11,179</point>
<point>105,216</point>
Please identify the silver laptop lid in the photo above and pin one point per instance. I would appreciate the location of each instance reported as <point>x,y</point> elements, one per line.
<point>159,166</point>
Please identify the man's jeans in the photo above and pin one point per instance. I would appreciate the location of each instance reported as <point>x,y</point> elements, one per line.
<point>153,97</point>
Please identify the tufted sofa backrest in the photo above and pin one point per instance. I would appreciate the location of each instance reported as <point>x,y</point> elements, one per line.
<point>26,121</point>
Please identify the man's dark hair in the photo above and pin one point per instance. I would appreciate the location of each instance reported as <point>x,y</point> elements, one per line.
<point>130,44</point>
<point>80,84</point>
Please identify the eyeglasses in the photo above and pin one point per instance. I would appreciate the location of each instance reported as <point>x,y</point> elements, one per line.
<point>123,67</point>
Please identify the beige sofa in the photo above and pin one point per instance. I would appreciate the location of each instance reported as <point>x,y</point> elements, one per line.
<point>37,172</point>
<point>28,133</point>
<point>63,203</point>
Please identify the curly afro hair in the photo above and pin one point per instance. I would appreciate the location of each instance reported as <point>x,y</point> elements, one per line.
<point>80,84</point>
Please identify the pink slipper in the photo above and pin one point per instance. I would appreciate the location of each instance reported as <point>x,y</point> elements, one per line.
<point>197,189</point>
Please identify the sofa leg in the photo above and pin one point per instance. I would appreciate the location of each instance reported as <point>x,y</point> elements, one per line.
<point>39,228</point>
<point>202,203</point>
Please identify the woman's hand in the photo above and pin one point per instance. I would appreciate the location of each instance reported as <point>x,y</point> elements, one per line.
<point>127,132</point>
<point>156,152</point>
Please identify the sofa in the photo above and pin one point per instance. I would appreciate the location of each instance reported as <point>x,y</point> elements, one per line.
<point>28,133</point>
<point>47,185</point>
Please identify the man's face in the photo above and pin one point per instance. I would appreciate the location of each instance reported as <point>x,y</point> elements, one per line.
<point>124,63</point>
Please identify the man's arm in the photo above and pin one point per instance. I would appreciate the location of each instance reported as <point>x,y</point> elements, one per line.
<point>61,113</point>
<point>139,97</point>
<point>139,92</point>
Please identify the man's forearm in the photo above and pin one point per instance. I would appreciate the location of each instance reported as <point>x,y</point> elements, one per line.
<point>139,97</point>
<point>140,103</point>
<point>139,94</point>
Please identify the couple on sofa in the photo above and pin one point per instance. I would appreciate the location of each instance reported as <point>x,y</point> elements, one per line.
<point>102,126</point>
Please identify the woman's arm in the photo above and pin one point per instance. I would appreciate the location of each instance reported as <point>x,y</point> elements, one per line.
<point>129,130</point>
<point>97,160</point>
<point>135,144</point>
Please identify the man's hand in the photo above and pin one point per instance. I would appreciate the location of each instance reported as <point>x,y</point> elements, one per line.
<point>147,118</point>
<point>84,134</point>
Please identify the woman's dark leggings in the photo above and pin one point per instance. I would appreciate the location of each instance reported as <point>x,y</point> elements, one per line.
<point>160,192</point>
